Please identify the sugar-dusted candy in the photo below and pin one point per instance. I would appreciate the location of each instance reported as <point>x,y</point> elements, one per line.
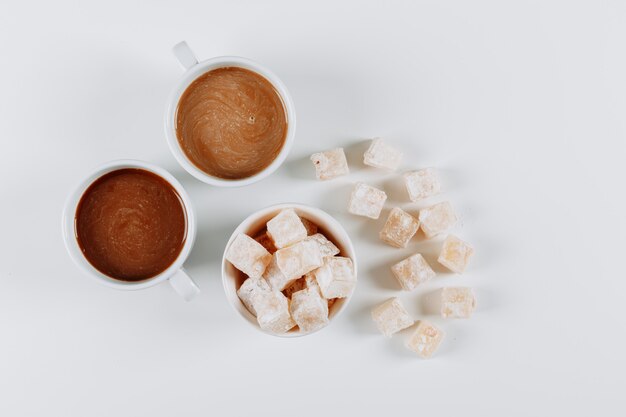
<point>391,317</point>
<point>382,155</point>
<point>457,302</point>
<point>422,183</point>
<point>412,271</point>
<point>455,254</point>
<point>437,219</point>
<point>251,291</point>
<point>248,255</point>
<point>366,200</point>
<point>266,242</point>
<point>399,228</point>
<point>273,313</point>
<point>286,228</point>
<point>311,228</point>
<point>296,260</point>
<point>309,310</point>
<point>336,277</point>
<point>330,164</point>
<point>275,277</point>
<point>327,248</point>
<point>425,340</point>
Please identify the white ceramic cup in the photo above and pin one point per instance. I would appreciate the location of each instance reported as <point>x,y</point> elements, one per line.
<point>331,228</point>
<point>193,69</point>
<point>175,274</point>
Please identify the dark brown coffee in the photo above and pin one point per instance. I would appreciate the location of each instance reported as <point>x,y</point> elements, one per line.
<point>131,224</point>
<point>231,123</point>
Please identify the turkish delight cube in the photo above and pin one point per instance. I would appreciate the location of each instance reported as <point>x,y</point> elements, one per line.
<point>296,260</point>
<point>327,248</point>
<point>266,242</point>
<point>457,302</point>
<point>336,277</point>
<point>248,255</point>
<point>275,277</point>
<point>412,271</point>
<point>311,228</point>
<point>273,313</point>
<point>330,164</point>
<point>422,183</point>
<point>381,155</point>
<point>391,317</point>
<point>309,310</point>
<point>251,291</point>
<point>455,254</point>
<point>425,340</point>
<point>366,200</point>
<point>437,219</point>
<point>399,228</point>
<point>286,228</point>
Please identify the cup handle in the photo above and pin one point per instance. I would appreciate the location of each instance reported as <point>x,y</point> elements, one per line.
<point>185,55</point>
<point>184,285</point>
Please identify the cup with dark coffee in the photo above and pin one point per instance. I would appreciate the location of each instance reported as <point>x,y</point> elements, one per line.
<point>229,121</point>
<point>131,225</point>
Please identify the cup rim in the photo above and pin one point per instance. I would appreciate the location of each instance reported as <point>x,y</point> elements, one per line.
<point>68,224</point>
<point>330,223</point>
<point>192,74</point>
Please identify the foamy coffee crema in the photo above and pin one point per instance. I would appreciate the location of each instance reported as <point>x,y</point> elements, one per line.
<point>231,123</point>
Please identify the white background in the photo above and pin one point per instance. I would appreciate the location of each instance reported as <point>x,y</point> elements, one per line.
<point>520,105</point>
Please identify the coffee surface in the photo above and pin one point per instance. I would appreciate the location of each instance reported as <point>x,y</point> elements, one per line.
<point>131,224</point>
<point>231,123</point>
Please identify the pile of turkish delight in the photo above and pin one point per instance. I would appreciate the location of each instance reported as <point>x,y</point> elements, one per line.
<point>294,274</point>
<point>390,317</point>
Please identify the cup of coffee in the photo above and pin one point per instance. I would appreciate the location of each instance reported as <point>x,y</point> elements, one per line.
<point>229,121</point>
<point>130,225</point>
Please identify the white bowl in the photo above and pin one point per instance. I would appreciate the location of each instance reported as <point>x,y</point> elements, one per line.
<point>232,278</point>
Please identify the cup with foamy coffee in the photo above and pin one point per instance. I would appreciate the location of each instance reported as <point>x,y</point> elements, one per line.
<point>229,121</point>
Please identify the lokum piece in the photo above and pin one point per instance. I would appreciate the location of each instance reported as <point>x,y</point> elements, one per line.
<point>457,302</point>
<point>366,200</point>
<point>286,228</point>
<point>422,183</point>
<point>309,310</point>
<point>330,164</point>
<point>251,291</point>
<point>248,255</point>
<point>425,340</point>
<point>296,260</point>
<point>437,219</point>
<point>391,317</point>
<point>273,313</point>
<point>399,228</point>
<point>381,155</point>
<point>327,248</point>
<point>336,277</point>
<point>412,271</point>
<point>455,254</point>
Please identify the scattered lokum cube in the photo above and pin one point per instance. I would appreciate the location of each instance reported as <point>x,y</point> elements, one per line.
<point>457,302</point>
<point>296,260</point>
<point>309,310</point>
<point>422,183</point>
<point>399,228</point>
<point>251,291</point>
<point>330,164</point>
<point>391,317</point>
<point>455,254</point>
<point>336,277</point>
<point>286,228</point>
<point>248,256</point>
<point>437,219</point>
<point>381,155</point>
<point>425,340</point>
<point>366,201</point>
<point>412,271</point>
